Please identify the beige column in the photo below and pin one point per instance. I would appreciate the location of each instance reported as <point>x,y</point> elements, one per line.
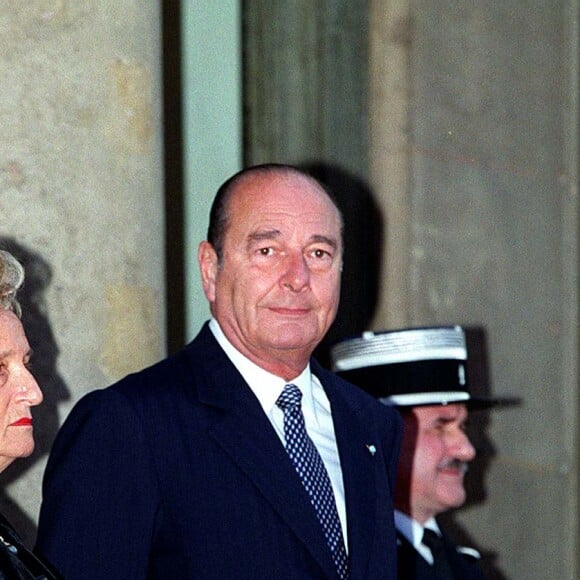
<point>389,151</point>
<point>81,202</point>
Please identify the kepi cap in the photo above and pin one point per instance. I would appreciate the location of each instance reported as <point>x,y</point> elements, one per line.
<point>409,367</point>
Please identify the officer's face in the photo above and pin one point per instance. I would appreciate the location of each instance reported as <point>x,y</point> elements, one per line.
<point>433,462</point>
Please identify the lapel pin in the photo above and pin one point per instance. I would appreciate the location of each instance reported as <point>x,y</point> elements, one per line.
<point>372,449</point>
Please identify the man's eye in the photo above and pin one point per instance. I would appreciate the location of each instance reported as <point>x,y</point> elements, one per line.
<point>265,251</point>
<point>319,253</point>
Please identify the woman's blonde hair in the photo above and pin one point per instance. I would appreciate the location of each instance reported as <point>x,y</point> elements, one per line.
<point>11,279</point>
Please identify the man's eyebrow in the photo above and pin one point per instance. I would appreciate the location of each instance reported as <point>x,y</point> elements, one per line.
<point>260,236</point>
<point>273,234</point>
<point>444,419</point>
<point>320,239</point>
<point>263,235</point>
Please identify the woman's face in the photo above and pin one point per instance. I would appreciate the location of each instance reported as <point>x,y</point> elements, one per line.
<point>19,391</point>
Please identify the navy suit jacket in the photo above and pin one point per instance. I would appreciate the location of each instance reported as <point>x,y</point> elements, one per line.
<point>412,566</point>
<point>176,472</point>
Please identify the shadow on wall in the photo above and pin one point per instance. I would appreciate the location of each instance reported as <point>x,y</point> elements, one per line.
<point>363,240</point>
<point>174,178</point>
<point>478,426</point>
<point>44,367</point>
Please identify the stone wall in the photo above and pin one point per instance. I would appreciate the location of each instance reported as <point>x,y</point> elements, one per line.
<point>81,202</point>
<point>494,212</point>
<point>467,164</point>
<point>461,198</point>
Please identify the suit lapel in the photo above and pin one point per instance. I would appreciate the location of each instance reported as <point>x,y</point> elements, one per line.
<point>358,471</point>
<point>247,436</point>
<point>412,565</point>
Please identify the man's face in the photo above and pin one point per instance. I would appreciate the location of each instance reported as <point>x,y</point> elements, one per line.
<point>18,391</point>
<point>276,291</point>
<point>433,461</point>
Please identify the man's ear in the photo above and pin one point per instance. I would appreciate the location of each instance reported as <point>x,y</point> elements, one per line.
<point>208,266</point>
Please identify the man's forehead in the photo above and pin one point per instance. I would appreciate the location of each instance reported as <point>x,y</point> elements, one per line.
<point>285,203</point>
<point>449,411</point>
<point>277,177</point>
<point>268,213</point>
<point>274,188</point>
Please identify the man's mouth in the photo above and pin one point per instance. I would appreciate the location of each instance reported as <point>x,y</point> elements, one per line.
<point>289,311</point>
<point>460,467</point>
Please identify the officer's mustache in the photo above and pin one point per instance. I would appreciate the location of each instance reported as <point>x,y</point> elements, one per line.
<point>461,466</point>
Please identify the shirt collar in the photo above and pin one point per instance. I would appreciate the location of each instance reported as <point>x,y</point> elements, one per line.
<point>265,386</point>
<point>412,529</point>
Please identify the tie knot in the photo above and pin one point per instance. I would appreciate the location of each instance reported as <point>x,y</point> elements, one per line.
<point>432,540</point>
<point>290,397</point>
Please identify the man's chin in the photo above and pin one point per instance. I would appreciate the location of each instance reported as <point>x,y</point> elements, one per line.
<point>294,335</point>
<point>454,500</point>
<point>290,344</point>
<point>452,494</point>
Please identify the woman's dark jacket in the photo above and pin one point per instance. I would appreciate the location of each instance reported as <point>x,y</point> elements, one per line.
<point>17,562</point>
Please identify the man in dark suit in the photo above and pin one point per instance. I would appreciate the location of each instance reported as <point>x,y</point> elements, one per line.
<point>200,466</point>
<point>421,371</point>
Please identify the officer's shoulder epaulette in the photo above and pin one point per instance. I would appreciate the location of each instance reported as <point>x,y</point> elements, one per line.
<point>469,553</point>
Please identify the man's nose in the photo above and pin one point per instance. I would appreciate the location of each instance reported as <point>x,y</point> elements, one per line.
<point>297,273</point>
<point>462,446</point>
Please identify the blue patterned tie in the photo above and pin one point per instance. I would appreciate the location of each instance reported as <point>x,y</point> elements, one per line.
<point>312,472</point>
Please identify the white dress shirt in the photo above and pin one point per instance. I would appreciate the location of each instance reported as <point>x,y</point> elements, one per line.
<point>315,407</point>
<point>413,531</point>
